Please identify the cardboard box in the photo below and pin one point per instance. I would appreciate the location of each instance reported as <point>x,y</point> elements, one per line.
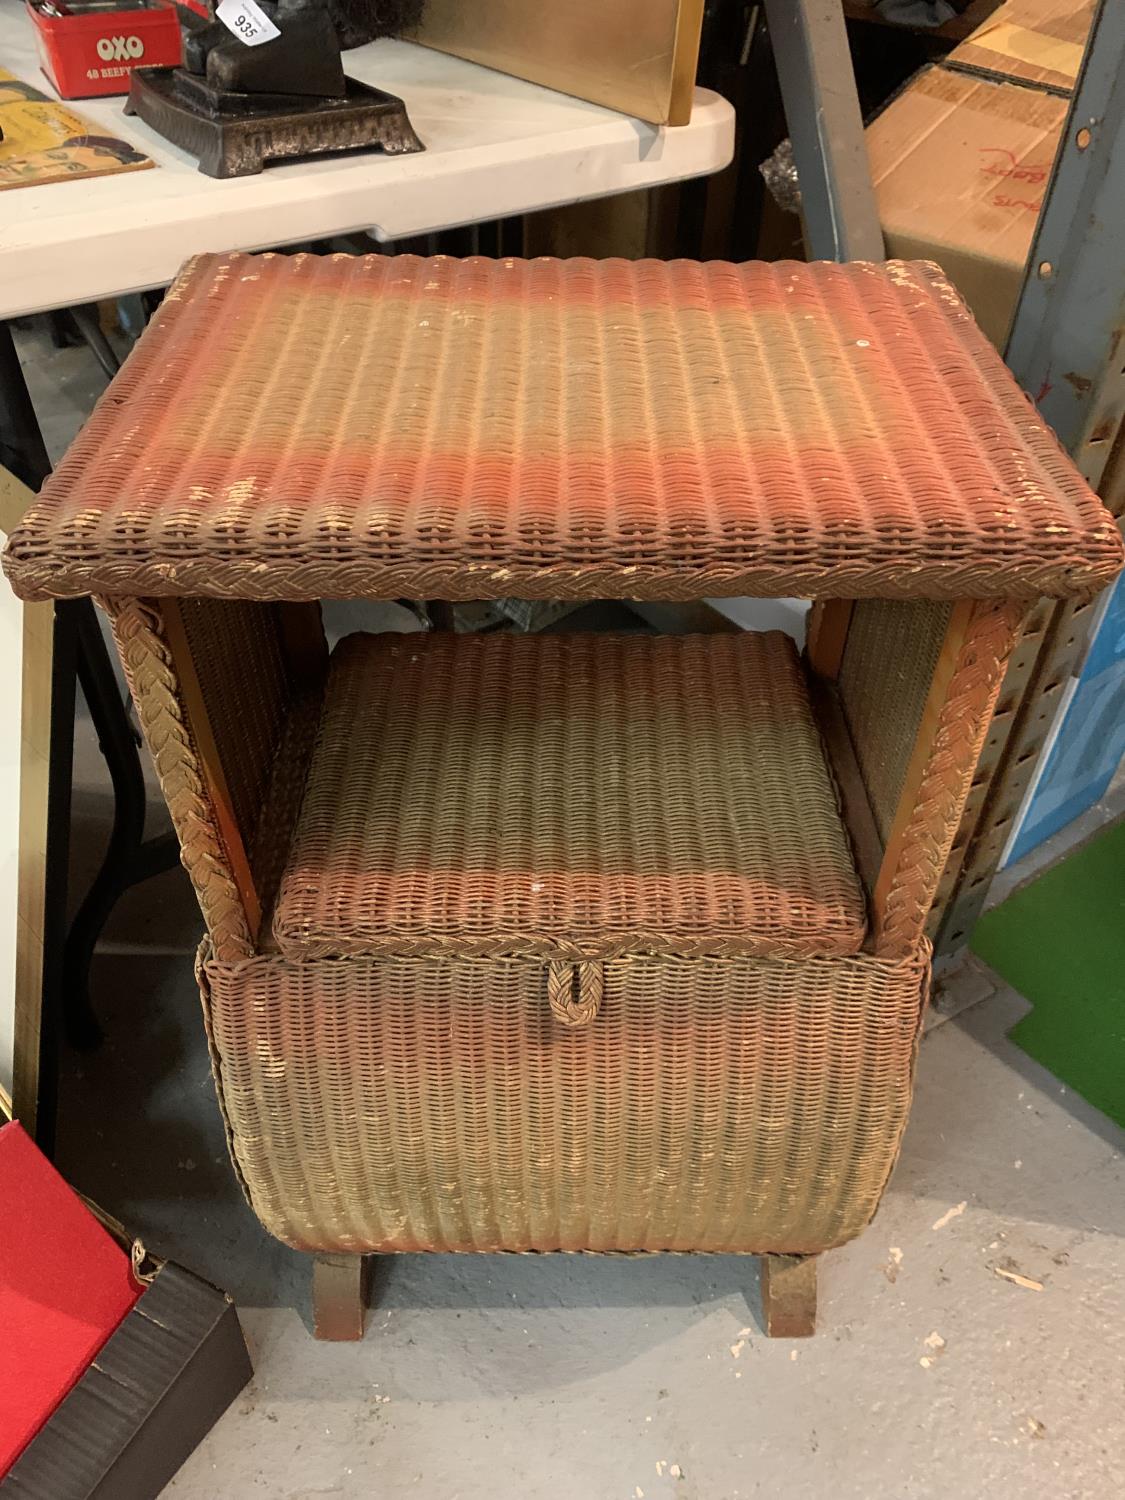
<point>157,1387</point>
<point>108,1380</point>
<point>1030,41</point>
<point>960,165</point>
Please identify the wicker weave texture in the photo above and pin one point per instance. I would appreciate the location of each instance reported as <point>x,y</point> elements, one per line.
<point>569,796</point>
<point>934,805</point>
<point>436,1104</point>
<point>236,652</point>
<point>269,849</point>
<point>295,427</point>
<point>157,692</point>
<point>262,720</point>
<point>892,649</point>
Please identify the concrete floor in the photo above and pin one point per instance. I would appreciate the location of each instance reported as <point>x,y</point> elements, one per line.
<point>932,1374</point>
<point>525,1378</point>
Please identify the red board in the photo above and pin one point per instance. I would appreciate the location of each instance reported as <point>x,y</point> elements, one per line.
<point>65,1285</point>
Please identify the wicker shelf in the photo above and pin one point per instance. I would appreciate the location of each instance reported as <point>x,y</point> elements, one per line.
<point>302,427</point>
<point>568,796</point>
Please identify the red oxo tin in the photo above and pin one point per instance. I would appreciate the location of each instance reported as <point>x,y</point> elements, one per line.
<point>92,49</point>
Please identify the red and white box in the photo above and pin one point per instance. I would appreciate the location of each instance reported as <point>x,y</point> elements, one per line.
<point>94,52</point>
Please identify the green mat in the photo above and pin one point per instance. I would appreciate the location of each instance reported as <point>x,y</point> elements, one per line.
<point>1061,942</point>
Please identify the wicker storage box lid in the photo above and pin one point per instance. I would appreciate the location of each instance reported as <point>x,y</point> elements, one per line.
<point>302,427</point>
<point>568,796</point>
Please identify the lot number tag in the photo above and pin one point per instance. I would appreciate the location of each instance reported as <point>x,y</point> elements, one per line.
<point>247,21</point>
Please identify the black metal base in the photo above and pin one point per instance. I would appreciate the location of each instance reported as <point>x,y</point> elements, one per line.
<point>235,135</point>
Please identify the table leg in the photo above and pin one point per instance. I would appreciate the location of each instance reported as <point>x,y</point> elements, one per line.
<point>100,347</point>
<point>80,650</point>
<point>789,1295</point>
<point>24,451</point>
<point>339,1296</point>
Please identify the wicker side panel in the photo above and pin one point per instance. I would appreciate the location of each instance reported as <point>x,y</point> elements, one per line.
<point>738,1105</point>
<point>160,706</point>
<point>281,804</point>
<point>236,648</point>
<point>921,842</point>
<point>261,706</point>
<point>888,663</point>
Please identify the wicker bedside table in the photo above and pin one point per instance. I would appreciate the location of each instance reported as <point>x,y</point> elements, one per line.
<point>569,942</point>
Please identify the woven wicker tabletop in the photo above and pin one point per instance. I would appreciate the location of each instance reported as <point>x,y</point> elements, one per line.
<point>303,427</point>
<point>568,796</point>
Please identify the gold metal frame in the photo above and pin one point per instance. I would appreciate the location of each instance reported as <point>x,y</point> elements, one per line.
<point>34,727</point>
<point>638,56</point>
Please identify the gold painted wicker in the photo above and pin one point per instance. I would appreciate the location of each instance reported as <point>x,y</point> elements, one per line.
<point>571,796</point>
<point>299,427</point>
<point>954,691</point>
<point>564,942</point>
<point>885,675</point>
<point>731,1104</point>
<point>429,737</point>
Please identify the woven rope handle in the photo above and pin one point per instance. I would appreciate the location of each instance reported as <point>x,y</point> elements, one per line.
<point>575,992</point>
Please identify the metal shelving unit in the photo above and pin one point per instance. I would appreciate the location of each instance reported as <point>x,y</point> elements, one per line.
<point>1067,350</point>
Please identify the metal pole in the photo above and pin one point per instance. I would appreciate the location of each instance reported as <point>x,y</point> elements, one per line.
<point>814,68</point>
<point>1067,346</point>
<point>1067,350</point>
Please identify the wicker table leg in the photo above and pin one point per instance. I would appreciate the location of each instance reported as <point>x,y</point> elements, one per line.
<point>789,1295</point>
<point>339,1296</point>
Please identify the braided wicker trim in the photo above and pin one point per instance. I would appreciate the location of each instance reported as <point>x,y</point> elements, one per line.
<point>574,992</point>
<point>153,683</point>
<point>936,812</point>
<point>1076,576</point>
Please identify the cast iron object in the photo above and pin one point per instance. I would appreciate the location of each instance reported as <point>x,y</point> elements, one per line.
<point>235,134</point>
<point>304,58</point>
<point>236,107</point>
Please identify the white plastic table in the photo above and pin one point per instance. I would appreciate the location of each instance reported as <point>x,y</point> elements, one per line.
<point>494,146</point>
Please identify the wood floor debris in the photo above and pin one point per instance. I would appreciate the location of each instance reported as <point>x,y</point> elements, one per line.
<point>951,1214</point>
<point>1017,1278</point>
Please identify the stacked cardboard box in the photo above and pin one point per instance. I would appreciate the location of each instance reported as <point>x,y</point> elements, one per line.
<point>1038,42</point>
<point>962,156</point>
